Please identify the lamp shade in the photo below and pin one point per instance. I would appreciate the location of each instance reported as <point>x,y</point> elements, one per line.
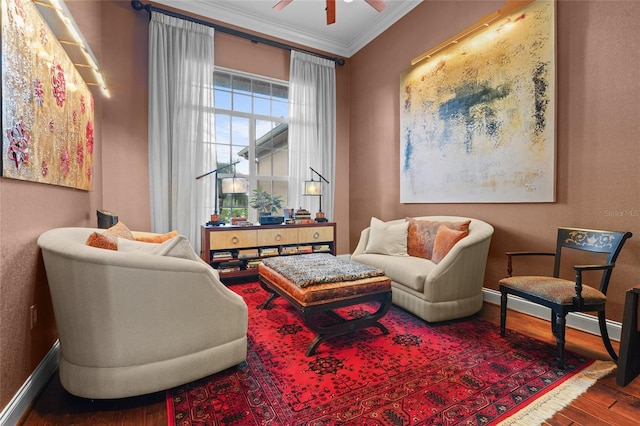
<point>235,185</point>
<point>312,187</point>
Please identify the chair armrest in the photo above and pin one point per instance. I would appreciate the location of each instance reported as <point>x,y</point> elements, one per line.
<point>511,254</point>
<point>594,267</point>
<point>579,269</point>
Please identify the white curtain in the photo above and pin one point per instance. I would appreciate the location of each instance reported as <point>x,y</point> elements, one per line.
<point>312,129</point>
<point>180,118</point>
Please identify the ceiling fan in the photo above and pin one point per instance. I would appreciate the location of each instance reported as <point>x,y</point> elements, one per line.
<point>378,5</point>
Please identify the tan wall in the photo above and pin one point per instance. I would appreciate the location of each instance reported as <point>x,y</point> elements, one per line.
<point>125,49</point>
<point>597,132</point>
<point>26,210</point>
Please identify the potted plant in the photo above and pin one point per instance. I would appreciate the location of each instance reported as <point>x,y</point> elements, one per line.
<point>267,204</point>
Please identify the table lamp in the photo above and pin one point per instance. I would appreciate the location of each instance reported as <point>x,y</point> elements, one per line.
<point>235,183</point>
<point>314,188</point>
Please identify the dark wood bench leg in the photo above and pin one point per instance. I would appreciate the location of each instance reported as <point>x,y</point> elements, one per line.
<point>629,358</point>
<point>345,326</point>
<point>272,294</point>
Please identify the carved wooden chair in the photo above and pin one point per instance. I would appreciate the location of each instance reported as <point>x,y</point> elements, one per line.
<point>564,296</point>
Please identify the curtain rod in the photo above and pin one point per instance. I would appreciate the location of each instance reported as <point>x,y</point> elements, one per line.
<point>138,5</point>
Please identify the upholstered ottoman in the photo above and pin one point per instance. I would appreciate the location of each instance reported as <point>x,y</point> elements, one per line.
<point>320,283</point>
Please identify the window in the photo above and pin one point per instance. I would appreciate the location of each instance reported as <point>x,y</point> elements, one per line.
<point>251,128</point>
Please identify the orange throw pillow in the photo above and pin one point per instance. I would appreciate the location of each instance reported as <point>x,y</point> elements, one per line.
<point>445,239</point>
<point>150,237</point>
<point>119,230</point>
<point>102,241</point>
<point>109,239</point>
<point>421,235</point>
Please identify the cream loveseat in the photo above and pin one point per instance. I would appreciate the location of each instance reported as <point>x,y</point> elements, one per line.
<point>141,319</point>
<point>449,289</point>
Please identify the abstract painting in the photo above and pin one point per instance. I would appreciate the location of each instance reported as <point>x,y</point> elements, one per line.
<point>47,109</point>
<point>477,121</point>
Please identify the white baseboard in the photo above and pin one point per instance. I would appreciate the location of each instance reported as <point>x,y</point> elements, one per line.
<point>21,401</point>
<point>579,321</point>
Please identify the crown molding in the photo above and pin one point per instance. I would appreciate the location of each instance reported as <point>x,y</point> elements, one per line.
<point>226,12</point>
<point>381,24</point>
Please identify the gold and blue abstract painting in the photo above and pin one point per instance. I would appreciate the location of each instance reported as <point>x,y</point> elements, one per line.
<point>477,120</point>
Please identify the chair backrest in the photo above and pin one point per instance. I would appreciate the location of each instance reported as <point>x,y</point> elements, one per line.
<point>591,240</point>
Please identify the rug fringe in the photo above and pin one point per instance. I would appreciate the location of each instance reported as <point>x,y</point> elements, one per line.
<point>554,401</point>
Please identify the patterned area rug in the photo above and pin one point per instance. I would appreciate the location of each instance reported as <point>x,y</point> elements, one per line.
<point>458,372</point>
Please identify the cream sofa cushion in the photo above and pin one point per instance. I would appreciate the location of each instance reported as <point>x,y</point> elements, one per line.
<point>174,247</point>
<point>387,238</point>
<point>409,270</point>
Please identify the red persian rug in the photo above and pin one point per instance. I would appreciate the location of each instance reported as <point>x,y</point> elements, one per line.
<point>458,372</point>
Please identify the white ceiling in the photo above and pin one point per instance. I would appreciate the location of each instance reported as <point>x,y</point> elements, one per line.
<point>304,21</point>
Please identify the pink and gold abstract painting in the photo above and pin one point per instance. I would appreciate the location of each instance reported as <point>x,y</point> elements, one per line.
<point>47,109</point>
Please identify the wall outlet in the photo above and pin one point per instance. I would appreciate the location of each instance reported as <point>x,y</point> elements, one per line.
<point>34,315</point>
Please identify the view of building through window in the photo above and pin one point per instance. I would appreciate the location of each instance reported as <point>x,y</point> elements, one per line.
<point>251,128</point>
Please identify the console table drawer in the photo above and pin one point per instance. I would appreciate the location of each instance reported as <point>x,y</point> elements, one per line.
<point>315,234</point>
<point>232,239</point>
<point>269,237</point>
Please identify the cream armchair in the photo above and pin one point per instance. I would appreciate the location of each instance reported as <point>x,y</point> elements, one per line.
<point>132,322</point>
<point>447,290</point>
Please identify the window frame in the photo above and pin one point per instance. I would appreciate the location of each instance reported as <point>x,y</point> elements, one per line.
<point>253,118</point>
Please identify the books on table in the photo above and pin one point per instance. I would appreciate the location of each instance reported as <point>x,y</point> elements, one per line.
<point>248,253</point>
<point>269,251</point>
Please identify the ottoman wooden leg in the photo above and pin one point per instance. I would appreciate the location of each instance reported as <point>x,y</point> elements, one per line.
<point>272,295</point>
<point>345,326</point>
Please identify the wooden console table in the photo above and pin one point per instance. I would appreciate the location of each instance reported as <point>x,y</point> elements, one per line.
<point>236,251</point>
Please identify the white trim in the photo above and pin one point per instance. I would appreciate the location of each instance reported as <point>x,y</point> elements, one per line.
<point>577,320</point>
<point>34,384</point>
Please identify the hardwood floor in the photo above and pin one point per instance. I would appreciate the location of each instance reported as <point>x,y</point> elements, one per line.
<point>604,403</point>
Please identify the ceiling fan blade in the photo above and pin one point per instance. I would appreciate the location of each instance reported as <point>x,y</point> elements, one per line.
<point>281,4</point>
<point>378,5</point>
<point>331,12</point>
